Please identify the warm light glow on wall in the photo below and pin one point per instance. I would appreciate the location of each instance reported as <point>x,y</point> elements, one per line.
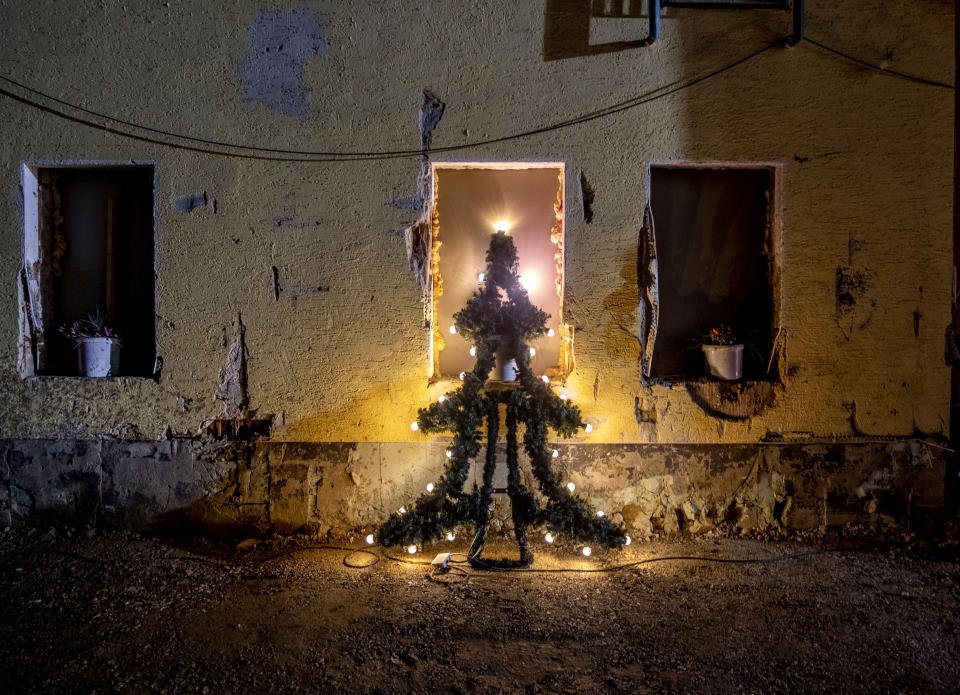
<point>473,201</point>
<point>529,281</point>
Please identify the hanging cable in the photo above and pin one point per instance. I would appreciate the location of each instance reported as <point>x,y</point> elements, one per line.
<point>285,155</point>
<point>261,153</point>
<point>879,68</point>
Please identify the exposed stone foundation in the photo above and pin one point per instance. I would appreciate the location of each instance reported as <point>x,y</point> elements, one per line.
<point>234,488</point>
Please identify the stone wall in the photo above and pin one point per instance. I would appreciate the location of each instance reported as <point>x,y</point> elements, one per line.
<point>241,488</point>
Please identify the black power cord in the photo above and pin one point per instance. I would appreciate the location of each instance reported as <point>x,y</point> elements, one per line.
<point>879,68</point>
<point>285,155</point>
<point>290,155</point>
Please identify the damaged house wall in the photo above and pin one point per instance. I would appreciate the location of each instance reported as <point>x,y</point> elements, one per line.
<point>316,256</point>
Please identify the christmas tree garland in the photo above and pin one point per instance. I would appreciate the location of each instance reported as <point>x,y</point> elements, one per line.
<point>499,317</point>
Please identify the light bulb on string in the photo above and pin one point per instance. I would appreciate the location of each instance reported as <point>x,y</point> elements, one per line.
<point>545,379</point>
<point>555,453</point>
<point>588,428</point>
<point>586,551</point>
<point>402,511</point>
<point>369,539</point>
<point>429,487</point>
<point>533,352</point>
<point>414,426</point>
<point>564,396</point>
<point>627,540</point>
<point>473,351</point>
<point>462,374</point>
<point>453,329</point>
<point>449,454</point>
<point>480,277</point>
<point>441,399</point>
<point>571,487</point>
<point>548,537</point>
<point>599,513</point>
<point>551,333</point>
<point>450,536</point>
<point>412,549</point>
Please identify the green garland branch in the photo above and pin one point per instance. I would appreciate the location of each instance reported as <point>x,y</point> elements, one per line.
<point>500,319</point>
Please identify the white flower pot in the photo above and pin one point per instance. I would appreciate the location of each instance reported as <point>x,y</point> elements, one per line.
<point>724,361</point>
<point>505,369</point>
<point>98,356</point>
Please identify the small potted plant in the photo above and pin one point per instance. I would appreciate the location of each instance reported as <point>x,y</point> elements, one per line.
<point>723,353</point>
<point>98,345</point>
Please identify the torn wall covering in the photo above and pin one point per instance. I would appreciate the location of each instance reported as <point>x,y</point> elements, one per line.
<point>348,366</point>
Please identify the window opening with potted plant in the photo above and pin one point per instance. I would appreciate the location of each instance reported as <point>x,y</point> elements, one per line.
<point>87,285</point>
<point>716,284</point>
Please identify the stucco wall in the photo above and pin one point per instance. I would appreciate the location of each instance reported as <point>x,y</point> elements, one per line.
<point>865,183</point>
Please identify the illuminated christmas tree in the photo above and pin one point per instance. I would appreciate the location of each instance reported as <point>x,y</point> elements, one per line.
<point>500,321</point>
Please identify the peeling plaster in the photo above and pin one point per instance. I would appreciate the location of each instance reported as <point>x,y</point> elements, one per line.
<point>189,203</point>
<point>586,198</point>
<point>417,236</point>
<point>648,288</point>
<point>281,43</point>
<point>233,376</point>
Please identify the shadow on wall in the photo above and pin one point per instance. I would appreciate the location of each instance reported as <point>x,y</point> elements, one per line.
<point>575,28</point>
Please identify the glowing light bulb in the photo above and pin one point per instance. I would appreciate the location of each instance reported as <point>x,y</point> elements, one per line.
<point>548,538</point>
<point>453,329</point>
<point>402,510</point>
<point>473,351</point>
<point>369,539</point>
<point>555,453</point>
<point>588,428</point>
<point>450,536</point>
<point>563,396</point>
<point>550,333</point>
<point>627,541</point>
<point>501,226</point>
<point>545,379</point>
<point>599,513</point>
<point>528,281</point>
<point>586,551</point>
<point>441,399</point>
<point>533,351</point>
<point>462,374</point>
<point>412,549</point>
<point>414,426</point>
<point>449,454</point>
<point>429,487</point>
<point>481,276</point>
<point>570,486</point>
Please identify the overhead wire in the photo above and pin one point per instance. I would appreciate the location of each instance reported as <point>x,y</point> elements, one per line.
<point>291,155</point>
<point>879,68</point>
<point>201,145</point>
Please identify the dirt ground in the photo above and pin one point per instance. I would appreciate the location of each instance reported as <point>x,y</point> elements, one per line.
<point>122,613</point>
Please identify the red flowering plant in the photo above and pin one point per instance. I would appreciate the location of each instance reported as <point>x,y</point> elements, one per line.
<point>720,334</point>
<point>94,326</point>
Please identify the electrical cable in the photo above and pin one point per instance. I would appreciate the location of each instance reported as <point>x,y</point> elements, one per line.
<point>318,156</point>
<point>879,68</point>
<point>291,155</point>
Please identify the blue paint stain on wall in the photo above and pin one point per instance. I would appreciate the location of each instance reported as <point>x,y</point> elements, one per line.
<point>281,43</point>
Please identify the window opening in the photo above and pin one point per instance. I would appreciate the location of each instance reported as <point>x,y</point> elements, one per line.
<point>88,248</point>
<point>471,201</point>
<point>715,265</point>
